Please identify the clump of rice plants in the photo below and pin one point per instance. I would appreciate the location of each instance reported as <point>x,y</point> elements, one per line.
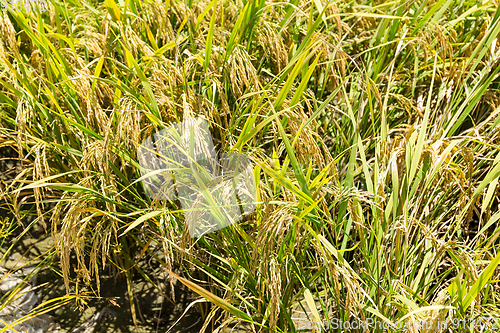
<point>373,128</point>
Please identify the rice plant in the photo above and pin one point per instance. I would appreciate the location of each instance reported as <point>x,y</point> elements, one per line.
<point>373,127</point>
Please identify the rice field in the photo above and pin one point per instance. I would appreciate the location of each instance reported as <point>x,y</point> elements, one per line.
<point>373,131</point>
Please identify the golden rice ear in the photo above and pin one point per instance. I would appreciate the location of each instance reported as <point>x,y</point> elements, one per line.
<point>137,46</point>
<point>197,128</point>
<point>159,17</point>
<point>273,45</point>
<point>164,76</point>
<point>41,170</point>
<point>89,103</point>
<point>92,41</point>
<point>130,125</point>
<point>24,116</point>
<point>276,223</point>
<point>8,41</point>
<point>309,145</point>
<point>241,72</point>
